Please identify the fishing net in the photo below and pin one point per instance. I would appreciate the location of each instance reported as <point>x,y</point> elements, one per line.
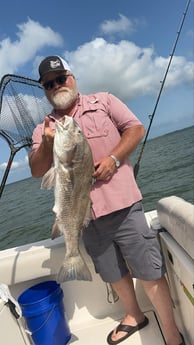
<point>22,106</point>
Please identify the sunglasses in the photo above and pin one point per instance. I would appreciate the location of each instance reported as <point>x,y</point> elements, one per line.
<point>60,80</point>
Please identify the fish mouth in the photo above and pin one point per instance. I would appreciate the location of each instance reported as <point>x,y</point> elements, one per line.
<point>64,122</point>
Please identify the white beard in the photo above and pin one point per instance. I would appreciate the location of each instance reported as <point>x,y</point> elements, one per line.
<point>64,98</point>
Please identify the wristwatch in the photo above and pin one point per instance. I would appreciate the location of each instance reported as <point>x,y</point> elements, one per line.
<point>117,162</point>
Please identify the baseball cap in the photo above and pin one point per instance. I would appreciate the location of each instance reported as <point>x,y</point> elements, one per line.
<point>51,64</point>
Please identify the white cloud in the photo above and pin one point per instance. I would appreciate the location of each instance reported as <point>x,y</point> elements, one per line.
<point>32,36</point>
<point>23,163</point>
<point>125,69</point>
<point>122,25</point>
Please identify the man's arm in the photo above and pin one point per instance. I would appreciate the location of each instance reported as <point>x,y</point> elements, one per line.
<point>41,160</point>
<point>130,139</point>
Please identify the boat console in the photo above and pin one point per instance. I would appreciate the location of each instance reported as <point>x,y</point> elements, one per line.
<point>176,217</point>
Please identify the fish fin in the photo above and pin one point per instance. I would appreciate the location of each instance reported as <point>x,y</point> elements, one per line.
<point>93,181</point>
<point>56,232</point>
<point>88,215</point>
<point>74,268</point>
<point>48,180</point>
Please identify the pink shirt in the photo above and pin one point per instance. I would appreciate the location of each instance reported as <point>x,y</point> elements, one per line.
<point>102,117</point>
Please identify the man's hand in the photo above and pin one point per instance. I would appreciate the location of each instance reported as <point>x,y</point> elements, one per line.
<point>41,160</point>
<point>104,169</point>
<point>49,133</point>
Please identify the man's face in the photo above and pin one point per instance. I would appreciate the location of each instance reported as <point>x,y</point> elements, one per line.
<point>60,88</point>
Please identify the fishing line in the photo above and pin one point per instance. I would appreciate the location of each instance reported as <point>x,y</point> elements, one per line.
<point>137,165</point>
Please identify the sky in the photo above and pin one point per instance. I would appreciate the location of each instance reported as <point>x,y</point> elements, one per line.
<point>122,47</point>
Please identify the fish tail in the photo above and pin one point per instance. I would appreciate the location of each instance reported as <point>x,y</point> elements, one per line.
<point>74,268</point>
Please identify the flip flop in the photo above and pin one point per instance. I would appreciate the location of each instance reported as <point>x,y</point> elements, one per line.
<point>128,329</point>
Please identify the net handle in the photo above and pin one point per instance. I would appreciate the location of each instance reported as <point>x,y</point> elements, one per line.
<point>13,151</point>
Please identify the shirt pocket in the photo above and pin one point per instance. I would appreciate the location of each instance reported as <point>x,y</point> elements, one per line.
<point>96,123</point>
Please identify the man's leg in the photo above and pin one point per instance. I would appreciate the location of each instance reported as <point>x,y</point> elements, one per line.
<point>125,290</point>
<point>159,295</point>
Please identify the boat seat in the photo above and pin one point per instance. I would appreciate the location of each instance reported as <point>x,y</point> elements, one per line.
<point>176,216</point>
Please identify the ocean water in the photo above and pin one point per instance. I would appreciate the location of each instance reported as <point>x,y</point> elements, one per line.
<point>166,168</point>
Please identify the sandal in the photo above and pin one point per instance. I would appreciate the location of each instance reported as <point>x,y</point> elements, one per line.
<point>128,329</point>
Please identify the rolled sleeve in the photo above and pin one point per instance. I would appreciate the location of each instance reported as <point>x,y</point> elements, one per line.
<point>121,115</point>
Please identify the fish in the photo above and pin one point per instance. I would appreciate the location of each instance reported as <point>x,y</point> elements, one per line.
<point>71,177</point>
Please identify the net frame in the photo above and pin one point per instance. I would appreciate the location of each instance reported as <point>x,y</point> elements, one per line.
<point>23,105</point>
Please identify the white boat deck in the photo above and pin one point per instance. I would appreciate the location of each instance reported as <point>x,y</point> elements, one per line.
<point>90,317</point>
<point>95,333</point>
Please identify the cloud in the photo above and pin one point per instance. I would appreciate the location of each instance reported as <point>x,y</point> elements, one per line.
<point>122,25</point>
<point>125,69</point>
<point>16,164</point>
<point>19,170</point>
<point>31,37</point>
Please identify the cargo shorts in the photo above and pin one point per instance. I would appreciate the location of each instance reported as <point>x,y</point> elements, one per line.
<point>122,242</point>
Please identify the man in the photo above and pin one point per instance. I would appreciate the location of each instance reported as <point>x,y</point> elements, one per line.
<point>117,238</point>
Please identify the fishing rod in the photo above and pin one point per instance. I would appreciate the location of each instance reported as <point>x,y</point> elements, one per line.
<point>137,165</point>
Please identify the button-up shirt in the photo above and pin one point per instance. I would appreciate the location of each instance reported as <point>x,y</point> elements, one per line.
<point>103,118</point>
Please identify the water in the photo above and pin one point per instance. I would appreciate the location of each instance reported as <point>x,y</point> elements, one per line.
<point>166,168</point>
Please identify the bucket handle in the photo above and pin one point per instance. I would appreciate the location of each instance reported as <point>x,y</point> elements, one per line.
<point>44,323</point>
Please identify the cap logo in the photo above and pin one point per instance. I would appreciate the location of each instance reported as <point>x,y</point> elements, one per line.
<point>55,64</point>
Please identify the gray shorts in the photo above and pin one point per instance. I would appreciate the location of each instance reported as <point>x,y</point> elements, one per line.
<point>122,242</point>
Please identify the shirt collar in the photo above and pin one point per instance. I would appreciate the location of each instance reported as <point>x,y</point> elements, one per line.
<point>85,103</point>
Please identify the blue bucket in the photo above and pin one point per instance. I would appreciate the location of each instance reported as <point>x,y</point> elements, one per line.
<point>43,309</point>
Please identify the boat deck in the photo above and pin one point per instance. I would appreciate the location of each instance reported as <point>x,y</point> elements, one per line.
<point>96,331</point>
<point>90,311</point>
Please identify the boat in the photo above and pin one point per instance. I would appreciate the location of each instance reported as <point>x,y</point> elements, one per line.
<point>92,309</point>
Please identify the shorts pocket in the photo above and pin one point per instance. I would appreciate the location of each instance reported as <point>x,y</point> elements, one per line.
<point>154,252</point>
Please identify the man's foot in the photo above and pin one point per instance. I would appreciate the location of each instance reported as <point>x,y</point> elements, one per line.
<point>129,330</point>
